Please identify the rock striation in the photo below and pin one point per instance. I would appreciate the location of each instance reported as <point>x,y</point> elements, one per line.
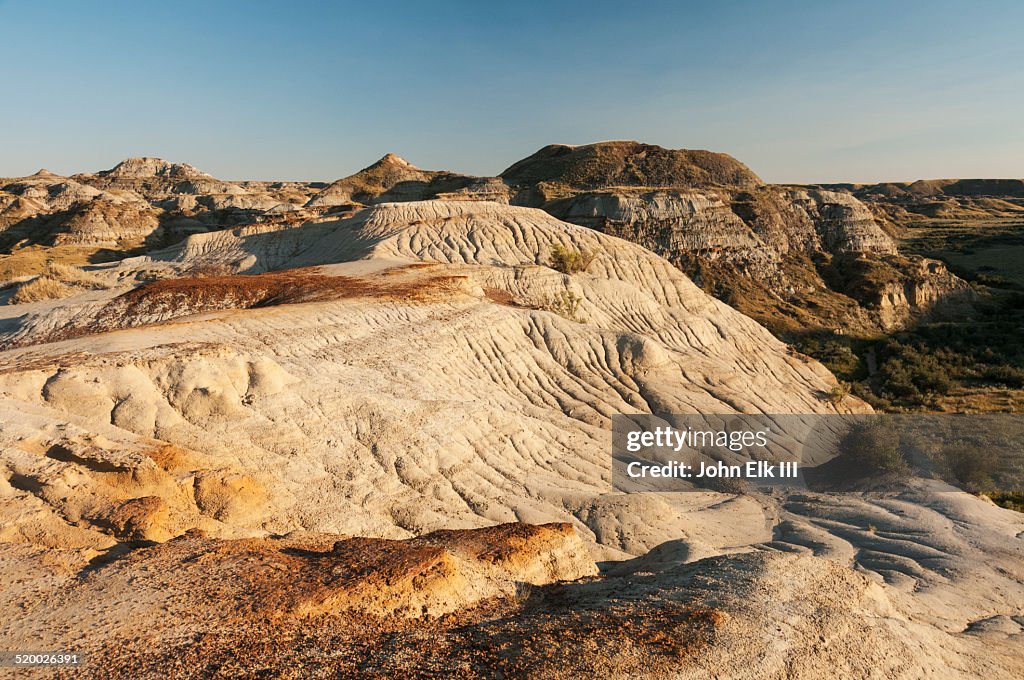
<point>384,432</point>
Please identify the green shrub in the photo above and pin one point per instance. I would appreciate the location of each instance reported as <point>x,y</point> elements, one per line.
<point>875,449</point>
<point>970,466</point>
<point>838,393</point>
<point>836,353</point>
<point>1011,376</point>
<point>570,261</point>
<point>910,372</point>
<point>1010,500</point>
<point>565,304</point>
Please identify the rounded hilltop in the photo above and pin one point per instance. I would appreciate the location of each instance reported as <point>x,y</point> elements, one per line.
<point>628,163</point>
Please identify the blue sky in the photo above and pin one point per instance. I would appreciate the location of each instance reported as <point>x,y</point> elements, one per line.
<point>800,91</point>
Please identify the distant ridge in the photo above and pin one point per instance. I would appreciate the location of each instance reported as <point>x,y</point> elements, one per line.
<point>628,163</point>
<point>147,166</point>
<point>939,187</point>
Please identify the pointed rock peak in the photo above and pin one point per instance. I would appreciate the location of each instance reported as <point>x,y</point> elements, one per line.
<point>394,159</point>
<point>146,166</point>
<point>43,172</point>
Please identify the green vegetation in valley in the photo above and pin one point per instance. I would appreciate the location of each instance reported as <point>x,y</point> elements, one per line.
<point>1010,501</point>
<point>981,456</point>
<point>985,251</point>
<point>875,449</point>
<point>969,364</point>
<point>920,368</point>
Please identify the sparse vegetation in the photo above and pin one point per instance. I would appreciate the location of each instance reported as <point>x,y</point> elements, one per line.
<point>1010,501</point>
<point>733,485</point>
<point>985,250</point>
<point>565,304</point>
<point>74,276</point>
<point>875,449</point>
<point>970,467</point>
<point>58,281</point>
<point>933,364</point>
<point>838,393</point>
<point>907,372</point>
<point>864,278</point>
<point>570,261</point>
<point>39,289</point>
<point>1011,376</point>
<point>836,352</point>
<point>36,259</point>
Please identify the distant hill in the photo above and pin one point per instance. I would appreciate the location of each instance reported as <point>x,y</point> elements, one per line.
<point>629,164</point>
<point>1001,188</point>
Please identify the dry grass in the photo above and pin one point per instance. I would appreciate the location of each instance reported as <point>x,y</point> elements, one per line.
<point>980,399</point>
<point>1004,261</point>
<point>837,394</point>
<point>39,289</point>
<point>988,246</point>
<point>35,259</point>
<point>57,281</point>
<point>73,276</point>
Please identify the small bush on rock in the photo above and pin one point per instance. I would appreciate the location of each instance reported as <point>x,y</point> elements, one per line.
<point>569,261</point>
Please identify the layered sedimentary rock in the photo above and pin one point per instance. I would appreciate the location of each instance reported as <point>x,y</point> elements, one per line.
<point>904,203</point>
<point>390,179</point>
<point>316,446</point>
<point>140,203</point>
<point>465,297</point>
<point>765,249</point>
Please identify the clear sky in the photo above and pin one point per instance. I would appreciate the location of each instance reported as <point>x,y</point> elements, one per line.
<point>799,91</point>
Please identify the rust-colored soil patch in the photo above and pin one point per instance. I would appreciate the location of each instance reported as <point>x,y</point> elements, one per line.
<point>295,607</point>
<point>240,291</point>
<point>290,286</point>
<point>168,299</point>
<point>433,574</point>
<point>501,296</point>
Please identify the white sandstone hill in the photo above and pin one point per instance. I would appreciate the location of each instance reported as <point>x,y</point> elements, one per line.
<point>203,437</point>
<point>418,384</point>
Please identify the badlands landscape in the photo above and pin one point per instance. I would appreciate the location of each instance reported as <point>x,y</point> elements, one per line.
<point>362,427</point>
